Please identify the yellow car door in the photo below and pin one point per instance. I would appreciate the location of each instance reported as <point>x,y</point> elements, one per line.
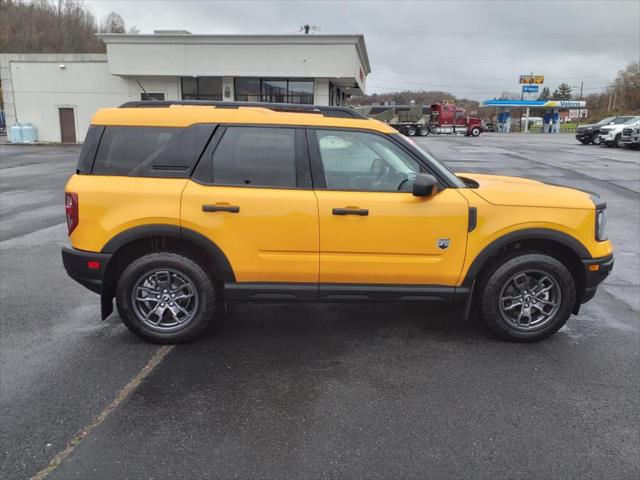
<point>373,230</point>
<point>251,195</point>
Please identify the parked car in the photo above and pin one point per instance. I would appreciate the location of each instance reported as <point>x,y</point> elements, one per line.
<point>631,137</point>
<point>177,208</point>
<point>611,135</point>
<point>589,133</point>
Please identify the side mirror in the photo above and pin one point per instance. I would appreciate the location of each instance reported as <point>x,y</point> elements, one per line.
<point>424,185</point>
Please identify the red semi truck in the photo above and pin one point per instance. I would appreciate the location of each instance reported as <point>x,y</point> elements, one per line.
<point>447,118</point>
<point>441,117</point>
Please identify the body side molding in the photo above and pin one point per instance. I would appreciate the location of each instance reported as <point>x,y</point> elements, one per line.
<point>341,292</point>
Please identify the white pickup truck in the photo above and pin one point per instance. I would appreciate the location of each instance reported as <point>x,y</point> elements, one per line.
<point>631,137</point>
<point>611,135</point>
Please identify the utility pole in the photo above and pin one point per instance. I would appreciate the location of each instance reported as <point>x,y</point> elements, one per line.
<point>580,109</point>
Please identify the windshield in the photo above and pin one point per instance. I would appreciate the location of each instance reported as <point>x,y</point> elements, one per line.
<point>605,121</point>
<point>621,120</point>
<point>439,166</point>
<point>631,120</point>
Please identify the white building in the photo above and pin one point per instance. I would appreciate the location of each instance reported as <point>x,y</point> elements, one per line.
<point>59,93</point>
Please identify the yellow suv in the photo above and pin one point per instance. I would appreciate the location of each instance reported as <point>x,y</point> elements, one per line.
<point>178,206</point>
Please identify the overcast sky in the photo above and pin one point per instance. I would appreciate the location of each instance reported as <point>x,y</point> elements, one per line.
<point>474,49</point>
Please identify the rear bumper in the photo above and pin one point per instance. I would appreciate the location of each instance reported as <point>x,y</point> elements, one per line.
<point>596,270</point>
<point>77,264</point>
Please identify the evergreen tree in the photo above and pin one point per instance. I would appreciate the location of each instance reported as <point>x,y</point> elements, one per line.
<point>545,94</point>
<point>564,92</point>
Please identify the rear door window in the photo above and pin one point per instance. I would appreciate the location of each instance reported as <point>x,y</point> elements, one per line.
<point>256,157</point>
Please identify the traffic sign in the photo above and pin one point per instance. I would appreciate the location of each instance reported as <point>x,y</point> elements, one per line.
<point>530,88</point>
<point>532,79</point>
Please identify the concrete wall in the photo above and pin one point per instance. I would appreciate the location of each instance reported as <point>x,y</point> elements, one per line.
<point>35,86</point>
<point>247,56</point>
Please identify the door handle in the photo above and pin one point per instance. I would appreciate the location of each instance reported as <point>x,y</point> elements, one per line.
<point>351,211</point>
<point>221,208</point>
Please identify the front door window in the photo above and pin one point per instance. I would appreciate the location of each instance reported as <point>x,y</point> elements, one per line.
<point>364,161</point>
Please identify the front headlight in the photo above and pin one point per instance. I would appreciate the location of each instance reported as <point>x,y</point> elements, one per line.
<point>601,225</point>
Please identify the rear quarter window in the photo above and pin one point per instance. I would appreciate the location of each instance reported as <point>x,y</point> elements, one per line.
<point>150,151</point>
<point>89,149</point>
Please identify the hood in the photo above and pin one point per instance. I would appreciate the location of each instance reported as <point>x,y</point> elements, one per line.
<point>590,126</point>
<point>522,192</point>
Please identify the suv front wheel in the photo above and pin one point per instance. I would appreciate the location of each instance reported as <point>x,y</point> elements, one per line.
<point>165,297</point>
<point>528,297</point>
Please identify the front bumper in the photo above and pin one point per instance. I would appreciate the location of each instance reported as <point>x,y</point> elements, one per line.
<point>630,141</point>
<point>583,135</point>
<point>86,268</point>
<point>596,270</point>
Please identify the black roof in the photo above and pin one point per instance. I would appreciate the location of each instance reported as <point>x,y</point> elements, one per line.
<point>345,112</point>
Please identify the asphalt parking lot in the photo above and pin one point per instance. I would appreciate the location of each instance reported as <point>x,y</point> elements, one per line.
<point>318,391</point>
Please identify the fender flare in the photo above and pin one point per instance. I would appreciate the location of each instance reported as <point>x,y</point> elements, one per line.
<point>520,235</point>
<point>164,230</point>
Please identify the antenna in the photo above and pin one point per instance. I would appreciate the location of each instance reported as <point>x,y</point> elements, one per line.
<point>145,92</point>
<point>307,29</point>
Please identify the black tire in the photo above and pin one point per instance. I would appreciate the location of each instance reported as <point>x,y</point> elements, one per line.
<point>618,141</point>
<point>423,131</point>
<point>475,132</point>
<point>204,297</point>
<point>411,131</point>
<point>585,141</point>
<point>596,139</point>
<point>499,278</point>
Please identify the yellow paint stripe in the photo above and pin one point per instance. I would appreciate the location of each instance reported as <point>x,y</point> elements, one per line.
<point>101,417</point>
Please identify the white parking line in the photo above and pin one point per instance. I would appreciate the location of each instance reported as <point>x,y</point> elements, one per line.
<point>101,417</point>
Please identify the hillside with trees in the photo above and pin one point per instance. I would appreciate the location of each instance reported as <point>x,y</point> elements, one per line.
<point>622,95</point>
<point>62,26</point>
<point>420,98</point>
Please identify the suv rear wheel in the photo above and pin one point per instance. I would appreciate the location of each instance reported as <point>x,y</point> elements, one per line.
<point>528,297</point>
<point>165,297</point>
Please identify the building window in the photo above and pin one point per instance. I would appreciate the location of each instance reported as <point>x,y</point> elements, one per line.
<point>274,90</point>
<point>201,88</point>
<point>152,96</point>
<point>247,89</point>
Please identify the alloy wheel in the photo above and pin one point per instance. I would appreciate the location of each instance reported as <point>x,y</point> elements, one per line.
<point>529,300</point>
<point>165,299</point>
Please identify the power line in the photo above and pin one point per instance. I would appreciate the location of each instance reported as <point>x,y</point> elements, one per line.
<point>385,69</point>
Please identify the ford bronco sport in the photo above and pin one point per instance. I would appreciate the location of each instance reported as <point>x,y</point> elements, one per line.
<point>179,207</point>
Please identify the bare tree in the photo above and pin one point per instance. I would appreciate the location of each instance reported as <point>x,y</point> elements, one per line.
<point>113,23</point>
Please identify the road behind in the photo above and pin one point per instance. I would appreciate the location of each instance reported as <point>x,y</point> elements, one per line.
<point>376,391</point>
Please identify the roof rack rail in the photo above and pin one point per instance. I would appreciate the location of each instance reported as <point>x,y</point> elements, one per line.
<point>345,112</point>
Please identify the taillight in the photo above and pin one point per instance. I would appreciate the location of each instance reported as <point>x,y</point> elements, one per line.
<point>71,209</point>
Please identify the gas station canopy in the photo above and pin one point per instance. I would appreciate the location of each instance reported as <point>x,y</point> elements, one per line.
<point>551,122</point>
<point>536,103</point>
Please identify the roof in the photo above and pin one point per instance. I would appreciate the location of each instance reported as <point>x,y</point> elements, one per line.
<point>185,115</point>
<point>536,103</point>
<point>188,38</point>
